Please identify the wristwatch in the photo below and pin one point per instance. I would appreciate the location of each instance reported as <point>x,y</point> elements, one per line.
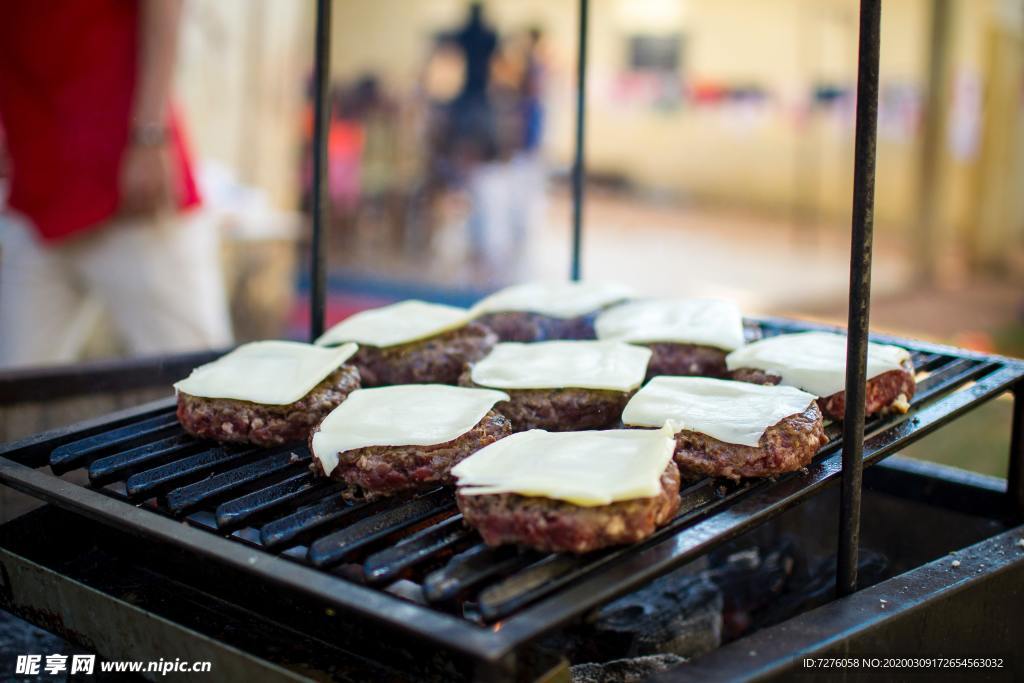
<point>150,134</point>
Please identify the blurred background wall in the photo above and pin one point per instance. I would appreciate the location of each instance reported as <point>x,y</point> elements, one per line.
<point>752,108</point>
<point>240,84</point>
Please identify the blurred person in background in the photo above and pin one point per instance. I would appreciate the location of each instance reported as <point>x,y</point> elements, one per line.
<point>532,84</point>
<point>472,125</point>
<point>101,192</point>
<point>528,162</point>
<point>474,143</point>
<point>380,177</point>
<point>507,191</point>
<point>344,163</point>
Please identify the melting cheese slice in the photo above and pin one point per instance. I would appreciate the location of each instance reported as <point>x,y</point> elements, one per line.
<point>583,468</point>
<point>733,412</point>
<point>706,322</point>
<point>404,415</point>
<point>555,299</point>
<point>268,372</point>
<point>813,361</point>
<point>609,365</point>
<point>406,321</point>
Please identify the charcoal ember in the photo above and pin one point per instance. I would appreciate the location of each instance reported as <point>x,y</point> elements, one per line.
<point>679,613</point>
<point>814,584</point>
<point>624,670</point>
<point>750,580</point>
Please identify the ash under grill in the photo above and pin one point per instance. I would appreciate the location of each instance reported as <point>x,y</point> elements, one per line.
<point>436,577</point>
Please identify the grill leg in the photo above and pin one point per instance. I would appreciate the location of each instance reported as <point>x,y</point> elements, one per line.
<point>1015,475</point>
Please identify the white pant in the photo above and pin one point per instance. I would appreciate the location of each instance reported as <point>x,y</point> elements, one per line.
<point>159,280</point>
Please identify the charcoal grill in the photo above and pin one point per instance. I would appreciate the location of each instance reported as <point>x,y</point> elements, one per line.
<point>411,564</point>
<point>259,520</point>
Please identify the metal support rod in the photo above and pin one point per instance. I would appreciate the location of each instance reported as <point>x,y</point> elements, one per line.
<point>577,166</point>
<point>318,205</point>
<point>860,294</point>
<point>1015,474</point>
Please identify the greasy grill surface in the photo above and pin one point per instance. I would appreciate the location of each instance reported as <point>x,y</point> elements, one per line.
<point>268,498</point>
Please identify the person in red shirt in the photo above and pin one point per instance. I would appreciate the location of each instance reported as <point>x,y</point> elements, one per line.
<point>101,206</point>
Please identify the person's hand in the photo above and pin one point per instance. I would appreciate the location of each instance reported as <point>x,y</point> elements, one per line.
<point>145,179</point>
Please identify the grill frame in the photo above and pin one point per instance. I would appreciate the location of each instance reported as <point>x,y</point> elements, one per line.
<point>615,572</point>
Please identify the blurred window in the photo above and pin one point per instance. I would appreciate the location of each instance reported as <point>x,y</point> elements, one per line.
<point>659,53</point>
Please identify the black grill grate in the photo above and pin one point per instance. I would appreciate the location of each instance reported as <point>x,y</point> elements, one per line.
<point>418,546</point>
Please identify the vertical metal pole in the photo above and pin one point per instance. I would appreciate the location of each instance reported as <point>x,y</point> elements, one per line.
<point>577,166</point>
<point>860,294</point>
<point>321,121</point>
<point>1015,475</point>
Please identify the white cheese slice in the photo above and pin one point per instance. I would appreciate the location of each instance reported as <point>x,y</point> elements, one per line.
<point>813,361</point>
<point>555,299</point>
<point>583,468</point>
<point>400,323</point>
<point>733,412</point>
<point>706,322</point>
<point>404,415</point>
<point>268,372</point>
<point>615,366</point>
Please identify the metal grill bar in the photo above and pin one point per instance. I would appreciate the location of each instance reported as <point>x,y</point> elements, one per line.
<point>471,568</point>
<point>860,294</point>
<point>289,530</point>
<point>240,510</point>
<point>194,495</point>
<point>68,457</point>
<point>334,548</point>
<point>267,502</point>
<point>191,468</point>
<point>124,463</point>
<point>526,586</point>
<point>421,546</point>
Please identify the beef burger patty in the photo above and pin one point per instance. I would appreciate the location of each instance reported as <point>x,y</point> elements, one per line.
<point>559,526</point>
<point>376,471</point>
<point>439,359</point>
<point>670,358</point>
<point>559,410</point>
<point>230,420</point>
<point>889,392</point>
<point>786,446</point>
<point>524,326</point>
